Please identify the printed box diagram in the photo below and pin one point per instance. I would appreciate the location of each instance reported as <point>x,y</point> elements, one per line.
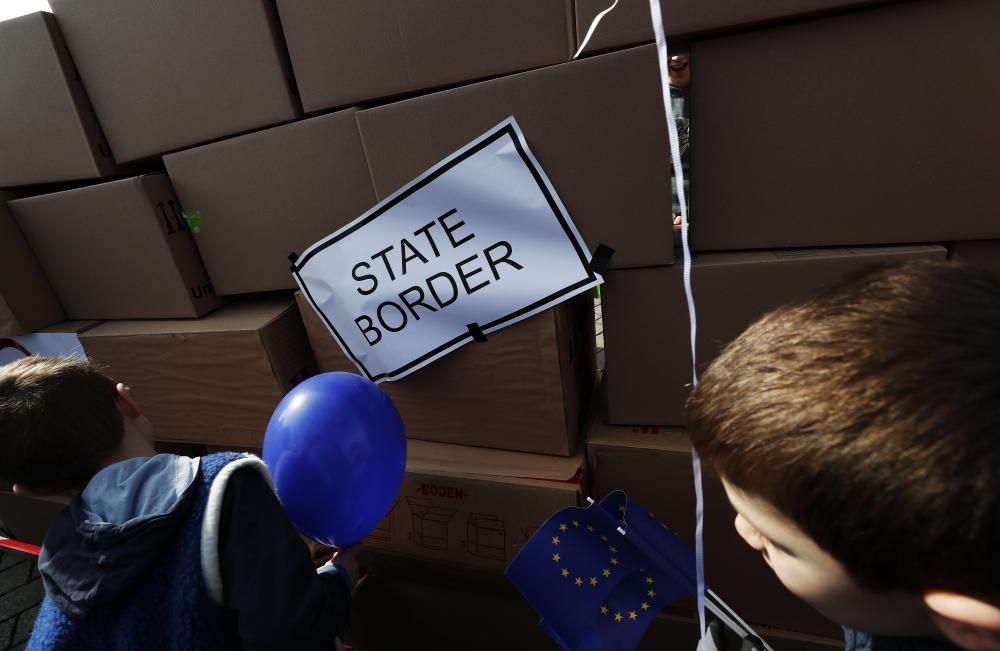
<point>486,537</point>
<point>430,524</point>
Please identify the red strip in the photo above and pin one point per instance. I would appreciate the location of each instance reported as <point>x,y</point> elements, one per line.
<point>19,546</point>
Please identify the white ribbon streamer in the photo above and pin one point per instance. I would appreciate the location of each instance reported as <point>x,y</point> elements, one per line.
<point>593,26</point>
<point>663,57</point>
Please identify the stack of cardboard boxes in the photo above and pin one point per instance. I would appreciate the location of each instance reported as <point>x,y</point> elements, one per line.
<point>162,160</point>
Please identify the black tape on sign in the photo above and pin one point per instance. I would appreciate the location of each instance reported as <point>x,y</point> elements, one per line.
<point>293,257</point>
<point>601,259</point>
<point>477,333</point>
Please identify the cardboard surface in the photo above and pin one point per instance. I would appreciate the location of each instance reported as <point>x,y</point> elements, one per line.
<point>50,133</point>
<point>653,466</point>
<point>27,301</point>
<point>118,250</point>
<point>608,161</point>
<point>803,141</point>
<point>985,254</point>
<point>266,194</point>
<point>646,330</point>
<point>167,75</point>
<point>524,389</point>
<point>214,380</point>
<point>26,519</point>
<point>48,130</point>
<point>474,507</point>
<point>360,50</point>
<point>630,24</point>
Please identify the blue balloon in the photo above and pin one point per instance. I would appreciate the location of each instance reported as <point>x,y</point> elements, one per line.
<point>336,450</point>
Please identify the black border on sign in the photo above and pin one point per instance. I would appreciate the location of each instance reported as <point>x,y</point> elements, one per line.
<point>561,217</point>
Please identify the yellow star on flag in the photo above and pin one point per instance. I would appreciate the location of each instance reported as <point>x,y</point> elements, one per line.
<point>632,615</point>
<point>578,582</point>
<point>645,606</point>
<point>565,572</point>
<point>555,540</point>
<point>590,528</point>
<point>614,550</point>
<point>604,539</point>
<point>651,593</point>
<point>604,610</point>
<point>622,508</point>
<point>556,557</point>
<point>650,580</point>
<point>593,581</point>
<point>614,561</point>
<point>618,617</point>
<point>563,527</point>
<point>576,523</point>
<point>606,572</point>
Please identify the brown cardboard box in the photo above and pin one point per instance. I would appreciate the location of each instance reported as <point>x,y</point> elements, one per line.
<point>264,195</point>
<point>608,160</point>
<point>27,301</point>
<point>347,52</point>
<point>985,254</point>
<point>168,75</point>
<point>630,24</point>
<point>213,380</point>
<point>524,389</point>
<point>825,132</point>
<point>474,507</point>
<point>646,330</point>
<point>26,519</point>
<point>48,131</point>
<point>118,250</point>
<point>653,466</point>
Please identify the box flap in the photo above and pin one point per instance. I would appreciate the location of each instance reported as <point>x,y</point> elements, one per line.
<point>429,457</point>
<point>247,314</point>
<point>79,327</point>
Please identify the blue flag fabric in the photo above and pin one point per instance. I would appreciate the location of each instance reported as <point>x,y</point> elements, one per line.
<point>595,587</point>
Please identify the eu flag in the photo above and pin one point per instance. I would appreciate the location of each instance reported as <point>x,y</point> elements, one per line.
<point>599,575</point>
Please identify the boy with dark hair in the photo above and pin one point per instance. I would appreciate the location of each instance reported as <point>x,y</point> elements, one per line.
<point>858,437</point>
<point>157,551</point>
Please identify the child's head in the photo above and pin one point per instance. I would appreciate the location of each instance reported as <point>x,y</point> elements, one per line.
<point>858,435</point>
<point>61,420</point>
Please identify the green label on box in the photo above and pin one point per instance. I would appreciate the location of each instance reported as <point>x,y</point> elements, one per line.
<point>193,219</point>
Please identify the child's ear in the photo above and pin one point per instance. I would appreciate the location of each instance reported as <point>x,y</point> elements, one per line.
<point>970,622</point>
<point>128,406</point>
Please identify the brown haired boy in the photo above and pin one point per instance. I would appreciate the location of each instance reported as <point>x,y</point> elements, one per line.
<point>156,551</point>
<point>858,438</point>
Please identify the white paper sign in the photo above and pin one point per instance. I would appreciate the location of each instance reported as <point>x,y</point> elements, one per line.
<point>476,243</point>
<point>49,344</point>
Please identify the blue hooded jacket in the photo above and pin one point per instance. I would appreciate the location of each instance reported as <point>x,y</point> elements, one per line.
<point>169,552</point>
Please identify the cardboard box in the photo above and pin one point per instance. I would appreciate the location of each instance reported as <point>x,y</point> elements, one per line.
<point>168,75</point>
<point>630,24</point>
<point>825,133</point>
<point>647,334</point>
<point>653,466</point>
<point>214,380</point>
<point>524,389</point>
<point>27,301</point>
<point>985,254</point>
<point>347,52</point>
<point>474,507</point>
<point>608,160</point>
<point>118,250</point>
<point>264,195</point>
<point>27,519</point>
<point>48,131</point>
